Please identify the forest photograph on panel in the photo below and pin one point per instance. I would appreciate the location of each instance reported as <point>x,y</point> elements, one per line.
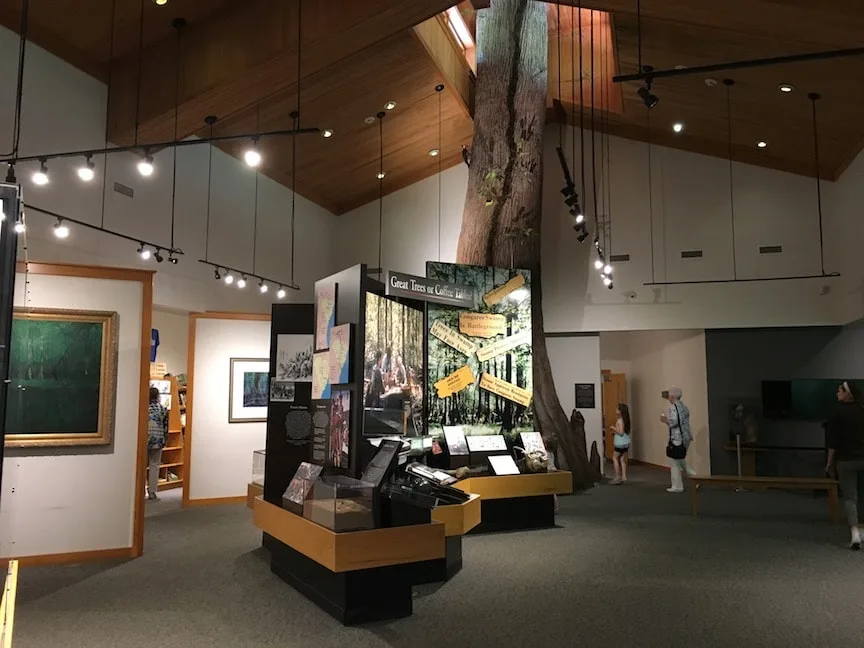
<point>393,367</point>
<point>57,366</point>
<point>477,410</point>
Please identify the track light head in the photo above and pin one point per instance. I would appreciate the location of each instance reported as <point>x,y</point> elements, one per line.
<point>61,230</point>
<point>252,156</point>
<point>229,279</point>
<point>172,259</point>
<point>145,166</point>
<point>20,227</point>
<point>158,256</point>
<point>241,282</point>
<point>572,199</point>
<point>579,218</point>
<point>40,177</point>
<point>88,171</point>
<point>262,286</point>
<point>648,98</point>
<point>598,264</point>
<point>583,234</point>
<point>607,269</point>
<point>143,252</point>
<point>216,274</point>
<point>280,294</point>
<point>10,174</point>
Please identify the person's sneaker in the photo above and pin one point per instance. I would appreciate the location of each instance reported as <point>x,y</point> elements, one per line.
<point>855,544</point>
<point>153,496</point>
<point>614,482</point>
<point>674,490</point>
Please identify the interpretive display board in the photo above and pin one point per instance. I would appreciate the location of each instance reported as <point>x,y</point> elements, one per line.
<point>298,489</point>
<point>479,358</point>
<point>383,463</point>
<point>532,441</point>
<point>457,444</point>
<point>503,465</point>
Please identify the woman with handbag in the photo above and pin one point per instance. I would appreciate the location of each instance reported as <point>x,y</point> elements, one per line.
<point>677,418</point>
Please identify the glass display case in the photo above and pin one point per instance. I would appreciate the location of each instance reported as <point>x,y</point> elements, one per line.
<point>341,504</point>
<point>258,468</point>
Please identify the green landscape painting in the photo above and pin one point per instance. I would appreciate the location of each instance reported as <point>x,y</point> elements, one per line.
<point>58,371</point>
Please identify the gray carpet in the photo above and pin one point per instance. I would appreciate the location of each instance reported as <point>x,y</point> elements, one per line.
<point>628,567</point>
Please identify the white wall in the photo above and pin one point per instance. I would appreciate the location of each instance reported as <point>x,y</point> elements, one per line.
<point>576,359</point>
<point>691,210</point>
<point>659,360</point>
<point>221,464</point>
<point>64,109</point>
<point>615,352</point>
<point>173,339</point>
<point>61,500</point>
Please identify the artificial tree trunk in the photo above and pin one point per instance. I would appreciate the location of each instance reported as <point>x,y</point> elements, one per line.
<point>501,220</point>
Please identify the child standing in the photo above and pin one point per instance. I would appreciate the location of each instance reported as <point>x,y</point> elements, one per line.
<point>621,441</point>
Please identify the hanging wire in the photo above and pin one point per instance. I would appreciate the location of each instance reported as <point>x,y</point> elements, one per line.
<point>255,202</point>
<point>593,133</point>
<point>573,88</point>
<point>381,116</point>
<point>178,24</point>
<point>560,124</point>
<point>108,111</point>
<point>650,191</point>
<point>609,61</point>
<point>581,107</point>
<point>639,34</point>
<point>19,94</point>
<point>210,121</point>
<point>729,83</point>
<point>440,90</point>
<point>814,97</point>
<point>296,120</point>
<point>140,65</point>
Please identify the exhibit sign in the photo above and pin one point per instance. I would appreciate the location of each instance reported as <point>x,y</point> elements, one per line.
<point>325,315</point>
<point>585,396</point>
<point>503,465</point>
<point>532,442</point>
<point>248,390</point>
<point>62,378</point>
<point>456,441</point>
<point>482,325</point>
<point>455,382</point>
<point>340,345</point>
<point>451,338</point>
<point>505,389</point>
<point>494,296</point>
<point>486,443</point>
<point>321,375</point>
<point>400,284</point>
<point>294,358</point>
<point>503,345</point>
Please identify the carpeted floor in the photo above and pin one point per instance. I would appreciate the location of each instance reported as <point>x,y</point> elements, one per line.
<point>627,567</point>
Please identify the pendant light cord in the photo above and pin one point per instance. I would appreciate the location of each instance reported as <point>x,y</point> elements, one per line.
<point>19,94</point>
<point>178,24</point>
<point>296,124</point>
<point>140,65</point>
<point>108,112</point>
<point>593,142</point>
<point>560,124</point>
<point>729,83</point>
<point>380,188</point>
<point>650,192</point>
<point>209,184</point>
<point>581,107</point>
<point>439,89</point>
<point>813,97</point>
<point>255,201</point>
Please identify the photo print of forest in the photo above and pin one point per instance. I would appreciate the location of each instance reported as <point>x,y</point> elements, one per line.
<point>477,410</point>
<point>393,366</point>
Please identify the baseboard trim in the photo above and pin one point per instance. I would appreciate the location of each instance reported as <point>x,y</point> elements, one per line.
<point>647,464</point>
<point>71,557</point>
<point>215,501</point>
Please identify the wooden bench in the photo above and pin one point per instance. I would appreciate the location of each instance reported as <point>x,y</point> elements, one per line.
<point>765,483</point>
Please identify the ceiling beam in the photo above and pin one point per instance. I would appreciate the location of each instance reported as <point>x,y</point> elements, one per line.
<point>436,39</point>
<point>243,54</point>
<point>837,25</point>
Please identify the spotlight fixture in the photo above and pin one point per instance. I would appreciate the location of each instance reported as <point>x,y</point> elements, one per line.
<point>598,264</point>
<point>262,287</point>
<point>61,231</point>
<point>677,127</point>
<point>327,133</point>
<point>650,100</point>
<point>583,234</point>
<point>145,166</point>
<point>229,279</point>
<point>19,227</point>
<point>390,105</point>
<point>280,294</point>
<point>172,259</point>
<point>380,175</point>
<point>252,156</point>
<point>433,152</point>
<point>158,256</point>
<point>216,274</point>
<point>40,177</point>
<point>607,269</point>
<point>607,281</point>
<point>160,3</point>
<point>241,282</point>
<point>580,218</point>
<point>143,252</point>
<point>786,87</point>
<point>88,171</point>
<point>762,144</point>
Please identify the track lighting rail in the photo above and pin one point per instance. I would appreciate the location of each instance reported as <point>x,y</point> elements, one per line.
<point>830,275</point>
<point>250,275</point>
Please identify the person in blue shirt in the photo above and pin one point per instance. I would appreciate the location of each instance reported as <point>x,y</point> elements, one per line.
<point>621,440</point>
<point>677,418</point>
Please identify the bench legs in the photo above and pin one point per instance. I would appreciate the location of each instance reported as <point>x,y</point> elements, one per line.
<point>834,504</point>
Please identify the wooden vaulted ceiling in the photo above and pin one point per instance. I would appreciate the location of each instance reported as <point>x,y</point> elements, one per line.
<point>238,61</point>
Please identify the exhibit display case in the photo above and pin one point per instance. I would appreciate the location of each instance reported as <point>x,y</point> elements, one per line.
<point>341,503</point>
<point>258,467</point>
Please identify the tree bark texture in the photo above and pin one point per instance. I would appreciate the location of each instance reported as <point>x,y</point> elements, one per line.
<point>501,219</point>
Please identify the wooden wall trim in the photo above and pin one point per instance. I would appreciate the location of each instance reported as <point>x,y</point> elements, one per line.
<point>72,557</point>
<point>86,271</point>
<point>215,501</point>
<point>232,315</point>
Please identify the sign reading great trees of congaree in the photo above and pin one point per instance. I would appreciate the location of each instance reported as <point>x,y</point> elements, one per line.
<point>400,284</point>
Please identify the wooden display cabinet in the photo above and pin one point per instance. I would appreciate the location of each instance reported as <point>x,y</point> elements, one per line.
<point>172,453</point>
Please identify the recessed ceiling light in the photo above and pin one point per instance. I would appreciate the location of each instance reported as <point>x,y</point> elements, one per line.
<point>680,67</point>
<point>327,132</point>
<point>390,105</point>
<point>710,82</point>
<point>677,127</point>
<point>160,3</point>
<point>761,144</point>
<point>369,120</point>
<point>381,175</point>
<point>786,87</point>
<point>433,152</point>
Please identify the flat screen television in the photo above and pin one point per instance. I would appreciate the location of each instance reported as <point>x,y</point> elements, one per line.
<point>800,399</point>
<point>393,368</point>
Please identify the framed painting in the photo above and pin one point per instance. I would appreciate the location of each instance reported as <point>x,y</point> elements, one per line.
<point>249,390</point>
<point>62,378</point>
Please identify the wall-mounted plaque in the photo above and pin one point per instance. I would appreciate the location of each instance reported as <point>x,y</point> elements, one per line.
<point>585,396</point>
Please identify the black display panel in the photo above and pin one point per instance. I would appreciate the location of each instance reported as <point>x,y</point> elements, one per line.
<point>800,399</point>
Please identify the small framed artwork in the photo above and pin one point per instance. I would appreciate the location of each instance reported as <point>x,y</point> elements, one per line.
<point>249,390</point>
<point>585,396</point>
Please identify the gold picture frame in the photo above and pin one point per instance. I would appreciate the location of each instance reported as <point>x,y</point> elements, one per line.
<point>64,395</point>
